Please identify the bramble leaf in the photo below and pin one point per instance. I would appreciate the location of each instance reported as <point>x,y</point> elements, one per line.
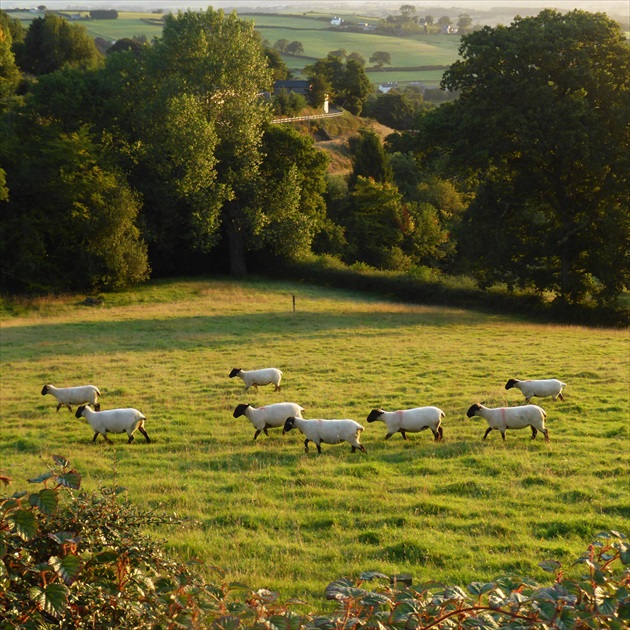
<point>551,566</point>
<point>71,479</point>
<point>23,523</point>
<point>46,501</point>
<point>67,567</point>
<point>60,460</point>
<point>52,598</point>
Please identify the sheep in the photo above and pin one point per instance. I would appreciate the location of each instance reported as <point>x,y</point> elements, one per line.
<point>67,396</point>
<point>114,421</point>
<point>253,378</point>
<point>502,418</point>
<point>268,417</point>
<point>327,431</point>
<point>410,421</point>
<point>541,388</point>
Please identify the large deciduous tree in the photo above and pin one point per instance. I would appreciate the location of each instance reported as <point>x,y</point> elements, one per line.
<point>542,125</point>
<point>52,43</point>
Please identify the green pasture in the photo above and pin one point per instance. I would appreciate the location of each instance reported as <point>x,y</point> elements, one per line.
<point>274,516</point>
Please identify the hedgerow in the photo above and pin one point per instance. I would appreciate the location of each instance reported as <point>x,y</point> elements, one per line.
<point>71,559</point>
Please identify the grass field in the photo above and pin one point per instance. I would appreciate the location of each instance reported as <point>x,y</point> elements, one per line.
<point>276,517</point>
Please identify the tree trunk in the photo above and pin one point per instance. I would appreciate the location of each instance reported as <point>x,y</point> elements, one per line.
<point>237,251</point>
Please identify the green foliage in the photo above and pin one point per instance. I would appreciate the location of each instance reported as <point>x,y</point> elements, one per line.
<point>550,165</point>
<point>71,558</point>
<point>9,72</point>
<point>369,159</point>
<point>287,103</point>
<point>74,559</point>
<point>52,43</point>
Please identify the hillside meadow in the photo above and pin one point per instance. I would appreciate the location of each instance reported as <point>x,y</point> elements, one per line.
<point>274,516</point>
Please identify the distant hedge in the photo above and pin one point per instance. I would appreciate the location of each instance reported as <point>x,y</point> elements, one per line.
<point>418,288</point>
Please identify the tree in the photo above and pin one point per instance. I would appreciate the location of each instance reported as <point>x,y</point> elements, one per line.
<point>444,21</point>
<point>69,222</point>
<point>342,53</point>
<point>276,65</point>
<point>380,58</point>
<point>464,22</point>
<point>552,163</point>
<point>376,224</point>
<point>294,48</point>
<point>52,43</point>
<point>407,12</point>
<point>394,110</point>
<point>200,99</point>
<point>356,87</point>
<point>369,159</point>
<point>281,45</point>
<point>9,72</point>
<point>360,59</point>
<point>294,176</point>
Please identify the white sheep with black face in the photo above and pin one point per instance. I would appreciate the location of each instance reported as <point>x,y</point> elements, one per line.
<point>327,431</point>
<point>541,388</point>
<point>67,396</point>
<point>254,378</point>
<point>269,416</point>
<point>503,418</point>
<point>114,421</point>
<point>410,421</point>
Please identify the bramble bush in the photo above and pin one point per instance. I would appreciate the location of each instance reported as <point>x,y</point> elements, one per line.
<point>71,559</point>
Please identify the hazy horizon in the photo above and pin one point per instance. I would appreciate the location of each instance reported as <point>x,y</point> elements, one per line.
<point>617,7</point>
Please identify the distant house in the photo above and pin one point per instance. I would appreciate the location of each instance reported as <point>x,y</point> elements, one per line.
<point>292,85</point>
<point>386,87</point>
<point>336,21</point>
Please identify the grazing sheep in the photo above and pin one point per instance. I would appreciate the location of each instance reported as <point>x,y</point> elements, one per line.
<point>66,396</point>
<point>114,421</point>
<point>502,418</point>
<point>268,417</point>
<point>327,431</point>
<point>410,421</point>
<point>253,378</point>
<point>541,388</point>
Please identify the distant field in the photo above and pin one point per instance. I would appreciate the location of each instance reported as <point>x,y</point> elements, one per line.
<point>276,517</point>
<point>315,34</point>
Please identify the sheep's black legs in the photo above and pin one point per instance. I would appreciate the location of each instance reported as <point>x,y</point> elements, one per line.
<point>146,435</point>
<point>534,433</point>
<point>546,434</point>
<point>256,434</point>
<point>388,436</point>
<point>95,436</point>
<point>403,434</point>
<point>485,435</point>
<point>306,445</point>
<point>319,448</point>
<point>131,439</point>
<point>59,406</point>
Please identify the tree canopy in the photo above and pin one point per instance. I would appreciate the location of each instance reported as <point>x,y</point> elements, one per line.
<point>541,129</point>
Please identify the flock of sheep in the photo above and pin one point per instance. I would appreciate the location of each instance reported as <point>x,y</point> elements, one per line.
<point>289,415</point>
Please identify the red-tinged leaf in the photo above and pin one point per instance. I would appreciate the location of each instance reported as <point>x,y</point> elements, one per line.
<point>67,567</point>
<point>71,479</point>
<point>5,480</point>
<point>46,500</point>
<point>60,460</point>
<point>53,598</point>
<point>24,524</point>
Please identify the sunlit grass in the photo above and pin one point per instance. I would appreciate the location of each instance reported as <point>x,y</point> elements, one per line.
<point>276,517</point>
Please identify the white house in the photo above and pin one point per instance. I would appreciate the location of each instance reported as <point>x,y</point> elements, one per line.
<point>336,21</point>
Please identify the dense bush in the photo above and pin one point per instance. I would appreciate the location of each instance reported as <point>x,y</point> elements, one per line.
<point>70,559</point>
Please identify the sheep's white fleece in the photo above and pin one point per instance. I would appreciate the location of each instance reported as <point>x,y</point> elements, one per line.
<point>327,431</point>
<point>502,418</point>
<point>540,388</point>
<point>79,395</point>
<point>126,420</point>
<point>253,378</point>
<point>410,420</point>
<point>269,416</point>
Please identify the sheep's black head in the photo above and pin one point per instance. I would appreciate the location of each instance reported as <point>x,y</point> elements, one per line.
<point>289,423</point>
<point>79,412</point>
<point>511,383</point>
<point>234,372</point>
<point>375,414</point>
<point>240,410</point>
<point>45,390</point>
<point>473,410</point>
